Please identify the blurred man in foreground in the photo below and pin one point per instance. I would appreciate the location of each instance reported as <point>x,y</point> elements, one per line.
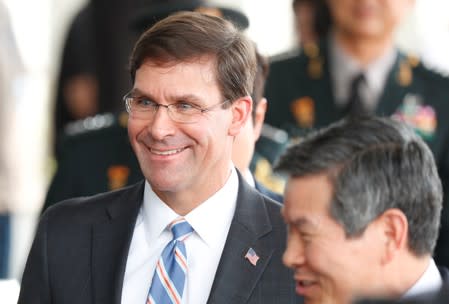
<point>362,203</point>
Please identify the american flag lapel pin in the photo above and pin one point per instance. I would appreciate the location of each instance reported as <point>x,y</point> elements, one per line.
<point>252,256</point>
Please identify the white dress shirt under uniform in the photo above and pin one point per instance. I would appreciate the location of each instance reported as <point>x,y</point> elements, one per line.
<point>344,68</point>
<point>211,221</point>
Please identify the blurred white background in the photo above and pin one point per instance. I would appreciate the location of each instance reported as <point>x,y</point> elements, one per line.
<point>40,27</point>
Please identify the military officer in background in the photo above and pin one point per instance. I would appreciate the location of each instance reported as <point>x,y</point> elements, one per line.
<point>357,70</point>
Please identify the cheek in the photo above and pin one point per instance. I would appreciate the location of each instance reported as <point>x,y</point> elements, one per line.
<point>319,256</point>
<point>135,127</point>
<point>332,258</point>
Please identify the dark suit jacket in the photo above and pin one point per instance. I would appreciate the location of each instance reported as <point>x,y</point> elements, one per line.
<point>80,251</point>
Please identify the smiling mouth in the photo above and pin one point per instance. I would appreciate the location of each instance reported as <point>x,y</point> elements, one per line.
<point>305,287</point>
<point>304,283</point>
<point>167,152</point>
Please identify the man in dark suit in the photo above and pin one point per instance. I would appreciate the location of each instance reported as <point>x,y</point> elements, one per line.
<point>319,85</point>
<point>192,75</point>
<point>362,202</point>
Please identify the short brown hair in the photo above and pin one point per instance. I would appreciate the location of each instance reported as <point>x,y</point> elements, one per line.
<point>188,36</point>
<point>259,80</point>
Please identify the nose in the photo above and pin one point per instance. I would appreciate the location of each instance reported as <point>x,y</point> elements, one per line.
<point>293,256</point>
<point>161,125</point>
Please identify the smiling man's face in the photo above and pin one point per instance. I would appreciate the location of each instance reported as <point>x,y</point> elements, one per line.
<point>187,159</point>
<point>328,266</point>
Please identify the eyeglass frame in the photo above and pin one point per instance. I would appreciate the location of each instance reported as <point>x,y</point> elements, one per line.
<point>128,99</point>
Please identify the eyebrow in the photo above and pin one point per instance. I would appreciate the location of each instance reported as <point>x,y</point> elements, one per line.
<point>187,97</point>
<point>299,222</point>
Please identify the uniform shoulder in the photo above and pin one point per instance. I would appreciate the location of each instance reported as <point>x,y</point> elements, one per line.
<point>423,70</point>
<point>300,62</point>
<point>97,126</point>
<point>432,74</point>
<point>285,67</point>
<point>292,53</point>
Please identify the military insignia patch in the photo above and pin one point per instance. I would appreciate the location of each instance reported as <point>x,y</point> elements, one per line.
<point>117,176</point>
<point>264,174</point>
<point>422,118</point>
<point>405,74</point>
<point>315,66</point>
<point>123,119</point>
<point>303,109</point>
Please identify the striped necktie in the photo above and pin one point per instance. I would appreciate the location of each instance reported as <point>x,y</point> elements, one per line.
<point>170,274</point>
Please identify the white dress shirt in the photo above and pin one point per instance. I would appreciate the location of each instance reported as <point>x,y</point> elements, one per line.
<point>211,221</point>
<point>344,68</point>
<point>430,281</point>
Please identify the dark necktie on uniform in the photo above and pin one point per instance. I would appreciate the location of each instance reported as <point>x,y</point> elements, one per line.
<point>169,277</point>
<point>355,106</point>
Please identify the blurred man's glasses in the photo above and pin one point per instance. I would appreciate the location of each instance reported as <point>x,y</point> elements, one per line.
<point>183,112</point>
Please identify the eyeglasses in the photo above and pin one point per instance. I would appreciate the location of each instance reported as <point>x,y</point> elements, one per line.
<point>182,112</point>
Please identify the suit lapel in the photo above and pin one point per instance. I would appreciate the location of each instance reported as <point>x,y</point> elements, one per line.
<point>111,238</point>
<point>236,277</point>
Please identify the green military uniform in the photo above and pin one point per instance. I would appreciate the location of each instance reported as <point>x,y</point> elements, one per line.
<point>301,96</point>
<point>95,156</point>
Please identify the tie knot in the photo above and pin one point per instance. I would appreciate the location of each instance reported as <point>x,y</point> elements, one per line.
<point>357,81</point>
<point>181,229</point>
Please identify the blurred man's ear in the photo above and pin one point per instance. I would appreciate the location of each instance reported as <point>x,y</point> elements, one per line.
<point>241,113</point>
<point>259,118</point>
<point>395,229</point>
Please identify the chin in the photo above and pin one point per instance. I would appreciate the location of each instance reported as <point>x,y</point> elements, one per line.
<point>163,183</point>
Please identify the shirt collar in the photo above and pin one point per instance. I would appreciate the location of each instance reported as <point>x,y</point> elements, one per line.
<point>249,178</point>
<point>203,218</point>
<point>430,281</point>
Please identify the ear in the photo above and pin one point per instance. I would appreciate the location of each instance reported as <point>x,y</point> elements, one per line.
<point>241,111</point>
<point>261,109</point>
<point>394,225</point>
